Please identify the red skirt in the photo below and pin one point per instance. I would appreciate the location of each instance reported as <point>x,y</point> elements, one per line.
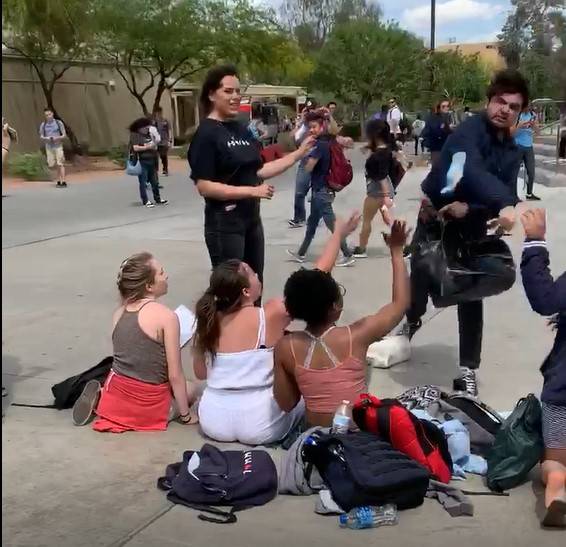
<point>127,404</point>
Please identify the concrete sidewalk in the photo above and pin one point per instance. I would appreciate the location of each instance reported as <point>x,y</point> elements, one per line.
<point>68,486</point>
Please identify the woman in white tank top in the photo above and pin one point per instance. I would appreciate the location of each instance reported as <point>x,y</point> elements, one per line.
<point>234,344</point>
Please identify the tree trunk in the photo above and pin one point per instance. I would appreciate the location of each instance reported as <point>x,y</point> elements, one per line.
<point>161,87</point>
<point>363,116</point>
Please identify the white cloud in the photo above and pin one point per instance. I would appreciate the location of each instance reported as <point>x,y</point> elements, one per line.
<point>452,11</point>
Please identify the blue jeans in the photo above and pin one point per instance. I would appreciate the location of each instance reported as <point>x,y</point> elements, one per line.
<point>302,186</point>
<point>149,174</point>
<point>321,207</point>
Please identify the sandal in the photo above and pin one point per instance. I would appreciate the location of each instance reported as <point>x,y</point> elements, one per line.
<point>192,418</point>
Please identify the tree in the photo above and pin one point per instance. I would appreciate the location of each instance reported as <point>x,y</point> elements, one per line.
<point>532,39</point>
<point>156,43</point>
<point>311,21</point>
<point>49,34</point>
<point>364,61</point>
<point>459,78</point>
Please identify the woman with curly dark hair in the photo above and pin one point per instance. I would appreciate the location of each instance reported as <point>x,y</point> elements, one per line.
<point>325,364</point>
<point>234,343</point>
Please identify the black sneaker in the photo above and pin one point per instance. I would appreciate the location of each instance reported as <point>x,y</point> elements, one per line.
<point>409,329</point>
<point>407,251</point>
<point>467,382</point>
<point>162,202</point>
<point>296,223</point>
<point>59,184</point>
<point>160,186</point>
<point>165,174</point>
<point>4,391</point>
<point>63,184</point>
<point>359,252</point>
<point>83,409</point>
<point>532,197</point>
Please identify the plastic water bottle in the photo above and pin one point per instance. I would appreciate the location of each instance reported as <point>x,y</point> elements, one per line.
<point>369,517</point>
<point>342,418</point>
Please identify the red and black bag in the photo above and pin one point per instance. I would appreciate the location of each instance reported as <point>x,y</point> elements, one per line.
<point>340,173</point>
<point>419,439</point>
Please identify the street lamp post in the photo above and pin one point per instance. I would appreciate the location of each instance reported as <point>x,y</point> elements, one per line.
<point>432,24</point>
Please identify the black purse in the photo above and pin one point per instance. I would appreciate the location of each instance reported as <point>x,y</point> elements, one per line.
<point>461,271</point>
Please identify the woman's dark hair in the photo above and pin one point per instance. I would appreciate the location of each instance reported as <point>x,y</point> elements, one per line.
<point>212,82</point>
<point>377,131</point>
<point>315,116</point>
<point>224,294</point>
<point>138,124</point>
<point>509,81</point>
<point>310,296</point>
<point>135,274</point>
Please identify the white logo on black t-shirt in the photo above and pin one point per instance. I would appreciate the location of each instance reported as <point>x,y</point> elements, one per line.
<point>238,142</point>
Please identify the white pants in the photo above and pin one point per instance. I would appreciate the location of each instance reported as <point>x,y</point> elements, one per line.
<point>250,417</point>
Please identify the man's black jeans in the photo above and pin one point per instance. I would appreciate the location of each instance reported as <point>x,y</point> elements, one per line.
<point>230,234</point>
<point>470,314</point>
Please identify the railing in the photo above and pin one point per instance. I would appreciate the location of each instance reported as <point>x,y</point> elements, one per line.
<point>559,124</point>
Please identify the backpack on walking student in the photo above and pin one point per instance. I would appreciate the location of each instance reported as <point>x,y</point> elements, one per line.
<point>360,469</point>
<point>419,439</point>
<point>212,477</point>
<point>340,173</point>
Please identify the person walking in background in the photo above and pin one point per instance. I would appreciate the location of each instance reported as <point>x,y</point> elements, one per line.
<point>380,191</point>
<point>394,117</point>
<point>303,178</point>
<point>418,126</point>
<point>318,166</point>
<point>467,113</point>
<point>437,129</point>
<point>143,145</point>
<point>523,134</point>
<point>9,135</point>
<point>52,133</point>
<point>548,297</point>
<point>166,139</point>
<point>257,128</point>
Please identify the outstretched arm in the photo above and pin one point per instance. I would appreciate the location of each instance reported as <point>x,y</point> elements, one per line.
<point>276,167</point>
<point>342,229</point>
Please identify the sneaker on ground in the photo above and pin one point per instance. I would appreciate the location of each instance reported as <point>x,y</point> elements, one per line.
<point>160,186</point>
<point>409,329</point>
<point>162,202</point>
<point>64,184</point>
<point>4,391</point>
<point>360,253</point>
<point>467,382</point>
<point>296,223</point>
<point>149,205</point>
<point>296,256</point>
<point>345,261</point>
<point>83,409</point>
<point>59,184</point>
<point>165,174</point>
<point>532,197</point>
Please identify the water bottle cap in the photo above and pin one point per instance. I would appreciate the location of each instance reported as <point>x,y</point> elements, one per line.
<point>343,518</point>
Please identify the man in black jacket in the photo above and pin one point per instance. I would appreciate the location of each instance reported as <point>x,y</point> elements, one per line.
<point>480,189</point>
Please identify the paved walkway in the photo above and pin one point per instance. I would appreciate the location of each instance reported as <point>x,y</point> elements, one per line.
<point>67,486</point>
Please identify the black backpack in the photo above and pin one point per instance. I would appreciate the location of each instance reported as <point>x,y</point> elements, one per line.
<point>236,478</point>
<point>68,391</point>
<point>359,469</point>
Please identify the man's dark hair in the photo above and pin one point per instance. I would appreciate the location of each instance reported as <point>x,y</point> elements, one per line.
<point>212,82</point>
<point>47,109</point>
<point>509,81</point>
<point>138,124</point>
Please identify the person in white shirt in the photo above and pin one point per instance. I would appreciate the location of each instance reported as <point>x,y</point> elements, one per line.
<point>418,126</point>
<point>394,117</point>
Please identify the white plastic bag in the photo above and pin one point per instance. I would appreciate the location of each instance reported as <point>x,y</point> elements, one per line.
<point>389,351</point>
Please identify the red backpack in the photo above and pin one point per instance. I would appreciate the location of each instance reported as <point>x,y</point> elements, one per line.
<point>340,173</point>
<point>420,440</point>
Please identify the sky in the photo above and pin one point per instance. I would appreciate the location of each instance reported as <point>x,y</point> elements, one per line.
<point>465,20</point>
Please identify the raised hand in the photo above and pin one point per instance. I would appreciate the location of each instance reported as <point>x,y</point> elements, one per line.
<point>398,236</point>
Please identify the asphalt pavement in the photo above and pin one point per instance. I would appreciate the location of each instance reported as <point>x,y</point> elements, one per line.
<point>68,486</point>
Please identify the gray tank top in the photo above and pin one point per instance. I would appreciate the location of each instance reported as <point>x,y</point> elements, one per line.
<point>136,355</point>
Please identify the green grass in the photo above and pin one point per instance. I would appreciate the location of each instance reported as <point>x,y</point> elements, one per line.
<point>29,166</point>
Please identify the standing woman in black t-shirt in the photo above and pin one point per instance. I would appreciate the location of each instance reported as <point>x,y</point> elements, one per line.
<point>379,190</point>
<point>227,169</point>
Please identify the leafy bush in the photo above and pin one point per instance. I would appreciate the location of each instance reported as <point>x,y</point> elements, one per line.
<point>118,155</point>
<point>28,166</point>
